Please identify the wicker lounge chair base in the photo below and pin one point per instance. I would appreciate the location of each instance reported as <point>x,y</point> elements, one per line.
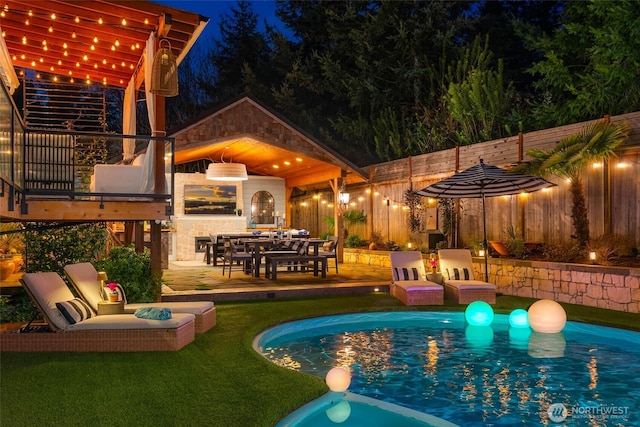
<point>420,293</point>
<point>100,340</point>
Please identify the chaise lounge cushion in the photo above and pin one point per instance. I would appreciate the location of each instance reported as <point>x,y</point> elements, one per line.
<point>84,278</point>
<point>421,285</point>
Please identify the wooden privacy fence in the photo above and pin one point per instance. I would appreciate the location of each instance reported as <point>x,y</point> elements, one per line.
<point>612,191</point>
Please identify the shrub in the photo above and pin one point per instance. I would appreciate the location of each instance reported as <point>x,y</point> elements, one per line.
<point>18,308</point>
<point>133,271</point>
<point>354,241</point>
<point>376,237</point>
<point>610,246</point>
<point>50,249</point>
<point>563,252</point>
<point>514,242</point>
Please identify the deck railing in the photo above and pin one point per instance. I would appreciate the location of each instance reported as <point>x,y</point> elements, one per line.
<point>81,166</point>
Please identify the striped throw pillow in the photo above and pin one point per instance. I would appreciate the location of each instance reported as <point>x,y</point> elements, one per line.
<point>75,310</point>
<point>119,290</point>
<point>458,274</point>
<point>403,273</point>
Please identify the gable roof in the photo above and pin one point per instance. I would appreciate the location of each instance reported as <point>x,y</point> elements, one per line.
<point>247,131</point>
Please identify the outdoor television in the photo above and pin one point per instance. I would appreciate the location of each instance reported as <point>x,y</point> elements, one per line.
<point>209,199</point>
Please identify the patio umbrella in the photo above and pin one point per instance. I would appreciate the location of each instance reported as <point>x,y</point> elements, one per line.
<point>481,181</point>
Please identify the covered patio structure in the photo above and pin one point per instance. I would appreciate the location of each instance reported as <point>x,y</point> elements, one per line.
<point>248,132</point>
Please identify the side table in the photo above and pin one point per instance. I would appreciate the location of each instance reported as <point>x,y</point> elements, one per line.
<point>107,307</point>
<point>435,278</point>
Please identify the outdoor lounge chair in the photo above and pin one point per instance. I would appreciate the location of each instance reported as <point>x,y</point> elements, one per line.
<point>76,327</point>
<point>459,283</point>
<point>84,278</point>
<point>410,284</point>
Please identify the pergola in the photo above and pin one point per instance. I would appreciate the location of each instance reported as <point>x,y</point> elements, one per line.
<point>96,42</point>
<point>93,42</point>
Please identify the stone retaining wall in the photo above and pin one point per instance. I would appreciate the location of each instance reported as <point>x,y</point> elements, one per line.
<point>614,288</point>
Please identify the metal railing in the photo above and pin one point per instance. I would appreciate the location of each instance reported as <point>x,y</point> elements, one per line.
<point>79,165</point>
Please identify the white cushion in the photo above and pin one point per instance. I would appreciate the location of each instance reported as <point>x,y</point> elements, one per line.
<point>48,289</point>
<point>129,321</point>
<point>470,284</point>
<point>84,277</point>
<point>418,285</point>
<point>116,179</point>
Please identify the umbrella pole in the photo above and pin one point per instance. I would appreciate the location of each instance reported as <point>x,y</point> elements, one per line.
<point>484,242</point>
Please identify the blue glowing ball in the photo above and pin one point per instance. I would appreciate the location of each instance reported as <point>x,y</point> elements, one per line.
<point>519,318</point>
<point>479,313</point>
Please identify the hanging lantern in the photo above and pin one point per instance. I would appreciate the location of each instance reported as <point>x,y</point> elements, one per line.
<point>164,75</point>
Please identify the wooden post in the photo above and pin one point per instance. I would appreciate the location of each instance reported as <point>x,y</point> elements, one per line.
<point>371,199</point>
<point>138,237</point>
<point>159,186</point>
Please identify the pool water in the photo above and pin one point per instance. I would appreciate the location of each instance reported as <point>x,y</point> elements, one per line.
<point>436,364</point>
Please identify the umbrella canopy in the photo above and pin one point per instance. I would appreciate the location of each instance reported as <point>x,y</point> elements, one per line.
<point>480,181</point>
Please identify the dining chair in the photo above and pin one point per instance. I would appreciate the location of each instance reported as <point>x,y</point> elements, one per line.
<point>330,250</point>
<point>233,256</point>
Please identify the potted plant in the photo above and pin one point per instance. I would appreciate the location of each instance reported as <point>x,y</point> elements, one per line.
<point>11,248</point>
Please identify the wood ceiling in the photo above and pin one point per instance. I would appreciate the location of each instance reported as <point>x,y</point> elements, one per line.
<point>92,41</point>
<point>295,167</point>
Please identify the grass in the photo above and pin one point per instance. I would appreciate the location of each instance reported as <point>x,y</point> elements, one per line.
<point>219,380</point>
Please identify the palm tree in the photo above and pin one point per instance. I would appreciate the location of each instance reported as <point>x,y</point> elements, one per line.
<point>593,143</point>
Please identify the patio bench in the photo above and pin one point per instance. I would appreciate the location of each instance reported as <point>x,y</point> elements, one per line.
<point>294,264</point>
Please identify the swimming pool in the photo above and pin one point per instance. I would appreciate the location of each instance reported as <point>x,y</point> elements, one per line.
<point>434,363</point>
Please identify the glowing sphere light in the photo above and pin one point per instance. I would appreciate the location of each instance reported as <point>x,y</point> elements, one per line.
<point>519,318</point>
<point>478,313</point>
<point>547,317</point>
<point>338,379</point>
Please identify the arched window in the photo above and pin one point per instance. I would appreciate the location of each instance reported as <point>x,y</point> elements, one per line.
<point>262,208</point>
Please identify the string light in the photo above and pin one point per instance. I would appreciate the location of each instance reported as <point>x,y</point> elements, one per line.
<point>70,49</point>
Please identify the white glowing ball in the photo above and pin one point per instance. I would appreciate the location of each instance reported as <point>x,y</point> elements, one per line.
<point>339,413</point>
<point>478,313</point>
<point>338,379</point>
<point>547,316</point>
<point>519,318</point>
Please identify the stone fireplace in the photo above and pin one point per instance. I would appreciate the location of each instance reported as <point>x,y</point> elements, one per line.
<point>191,231</point>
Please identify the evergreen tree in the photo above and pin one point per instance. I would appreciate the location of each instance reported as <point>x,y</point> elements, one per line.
<point>590,65</point>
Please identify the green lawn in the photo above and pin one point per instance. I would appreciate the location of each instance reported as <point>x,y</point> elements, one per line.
<point>216,381</point>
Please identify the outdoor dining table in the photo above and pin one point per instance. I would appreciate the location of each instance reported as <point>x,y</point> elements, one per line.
<point>256,246</point>
<point>259,247</point>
